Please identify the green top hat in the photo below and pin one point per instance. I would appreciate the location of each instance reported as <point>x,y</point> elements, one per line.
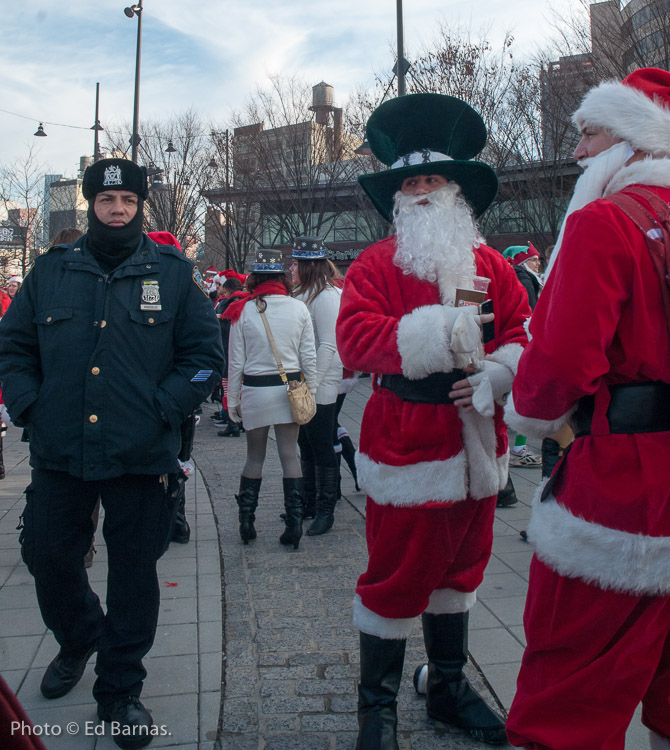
<point>428,134</point>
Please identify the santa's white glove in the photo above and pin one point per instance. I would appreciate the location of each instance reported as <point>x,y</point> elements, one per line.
<point>452,314</point>
<point>466,340</point>
<point>235,413</point>
<point>4,414</point>
<point>491,383</point>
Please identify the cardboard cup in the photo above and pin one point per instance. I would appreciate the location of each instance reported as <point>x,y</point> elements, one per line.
<point>471,290</point>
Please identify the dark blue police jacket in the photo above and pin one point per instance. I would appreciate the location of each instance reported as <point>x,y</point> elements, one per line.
<point>103,368</point>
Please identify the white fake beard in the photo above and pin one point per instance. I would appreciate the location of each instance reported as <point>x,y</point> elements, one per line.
<point>598,172</point>
<point>435,241</point>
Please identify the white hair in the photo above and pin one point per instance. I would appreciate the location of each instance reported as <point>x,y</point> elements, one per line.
<point>436,233</point>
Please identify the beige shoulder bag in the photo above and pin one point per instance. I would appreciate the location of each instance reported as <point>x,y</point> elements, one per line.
<point>301,401</point>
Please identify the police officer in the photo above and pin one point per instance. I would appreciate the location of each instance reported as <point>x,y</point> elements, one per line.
<point>111,344</point>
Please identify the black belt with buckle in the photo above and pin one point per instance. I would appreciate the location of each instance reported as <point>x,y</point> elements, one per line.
<point>264,381</point>
<point>634,407</point>
<point>433,389</point>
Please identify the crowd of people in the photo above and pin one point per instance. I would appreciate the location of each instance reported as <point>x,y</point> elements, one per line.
<point>461,340</point>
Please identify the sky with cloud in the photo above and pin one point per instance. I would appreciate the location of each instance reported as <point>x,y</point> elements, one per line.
<point>206,55</point>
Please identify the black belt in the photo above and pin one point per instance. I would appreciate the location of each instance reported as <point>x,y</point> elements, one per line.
<point>634,407</point>
<point>433,389</point>
<point>263,381</point>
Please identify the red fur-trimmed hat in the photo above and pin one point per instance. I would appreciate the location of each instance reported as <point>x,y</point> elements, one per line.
<point>637,110</point>
<point>164,238</point>
<point>518,254</point>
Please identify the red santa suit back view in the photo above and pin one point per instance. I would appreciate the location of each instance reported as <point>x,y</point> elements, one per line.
<point>598,611</point>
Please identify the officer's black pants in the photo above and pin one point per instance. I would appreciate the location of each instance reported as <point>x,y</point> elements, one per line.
<point>57,534</point>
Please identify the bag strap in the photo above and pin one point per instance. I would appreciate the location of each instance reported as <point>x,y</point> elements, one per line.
<point>656,230</point>
<point>280,366</point>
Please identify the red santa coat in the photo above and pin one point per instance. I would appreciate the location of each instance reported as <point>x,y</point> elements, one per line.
<point>600,321</point>
<point>414,454</point>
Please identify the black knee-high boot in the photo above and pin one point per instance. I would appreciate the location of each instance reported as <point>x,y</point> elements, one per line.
<point>309,488</point>
<point>247,502</point>
<point>2,459</point>
<point>450,697</point>
<point>326,497</point>
<point>293,499</point>
<point>381,669</point>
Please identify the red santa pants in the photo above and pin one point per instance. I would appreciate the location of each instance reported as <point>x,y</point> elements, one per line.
<point>592,656</point>
<point>414,551</point>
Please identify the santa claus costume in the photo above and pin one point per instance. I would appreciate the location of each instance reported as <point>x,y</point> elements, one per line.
<point>430,468</point>
<point>597,617</point>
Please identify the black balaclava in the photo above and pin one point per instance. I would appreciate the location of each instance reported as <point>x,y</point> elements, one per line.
<point>110,246</point>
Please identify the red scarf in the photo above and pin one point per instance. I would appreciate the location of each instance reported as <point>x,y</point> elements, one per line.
<point>267,287</point>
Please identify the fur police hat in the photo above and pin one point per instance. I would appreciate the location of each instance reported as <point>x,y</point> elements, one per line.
<point>114,174</point>
<point>637,110</point>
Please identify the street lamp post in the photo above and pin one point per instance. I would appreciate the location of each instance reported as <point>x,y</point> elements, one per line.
<point>136,10</point>
<point>97,127</point>
<point>401,51</point>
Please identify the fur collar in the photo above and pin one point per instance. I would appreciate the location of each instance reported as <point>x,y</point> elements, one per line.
<point>654,172</point>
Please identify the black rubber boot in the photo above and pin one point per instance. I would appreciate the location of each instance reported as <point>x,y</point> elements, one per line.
<point>293,516</point>
<point>326,497</point>
<point>381,669</point>
<point>450,697</point>
<point>309,489</point>
<point>181,531</point>
<point>247,502</point>
<point>507,495</point>
<point>551,454</point>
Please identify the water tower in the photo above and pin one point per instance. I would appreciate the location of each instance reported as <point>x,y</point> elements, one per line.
<point>322,102</point>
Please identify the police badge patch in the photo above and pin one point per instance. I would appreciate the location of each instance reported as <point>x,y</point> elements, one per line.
<point>112,176</point>
<point>151,296</point>
<point>200,282</point>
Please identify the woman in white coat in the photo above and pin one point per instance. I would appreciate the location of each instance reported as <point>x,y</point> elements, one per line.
<point>256,391</point>
<point>318,286</point>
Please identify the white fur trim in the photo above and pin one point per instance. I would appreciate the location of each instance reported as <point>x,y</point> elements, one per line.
<point>538,428</point>
<point>479,441</point>
<point>415,484</point>
<point>423,342</point>
<point>628,114</point>
<point>475,471</point>
<point>507,355</point>
<point>450,601</point>
<point>383,627</point>
<point>604,557</point>
<point>656,742</point>
<point>655,172</point>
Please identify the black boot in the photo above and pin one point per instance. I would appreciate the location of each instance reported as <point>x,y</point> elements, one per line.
<point>381,670</point>
<point>232,430</point>
<point>181,531</point>
<point>326,497</point>
<point>450,697</point>
<point>507,495</point>
<point>309,489</point>
<point>551,455</point>
<point>2,460</point>
<point>247,502</point>
<point>293,516</point>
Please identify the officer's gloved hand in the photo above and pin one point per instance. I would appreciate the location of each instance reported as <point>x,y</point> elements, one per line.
<point>491,383</point>
<point>235,413</point>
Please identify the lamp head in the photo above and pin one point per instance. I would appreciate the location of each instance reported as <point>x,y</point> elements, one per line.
<point>132,10</point>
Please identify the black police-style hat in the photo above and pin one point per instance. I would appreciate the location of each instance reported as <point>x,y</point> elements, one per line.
<point>114,174</point>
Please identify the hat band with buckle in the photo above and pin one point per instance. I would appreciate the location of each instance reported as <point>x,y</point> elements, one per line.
<point>419,157</point>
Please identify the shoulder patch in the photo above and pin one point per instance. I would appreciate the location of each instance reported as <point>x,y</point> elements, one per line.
<point>199,281</point>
